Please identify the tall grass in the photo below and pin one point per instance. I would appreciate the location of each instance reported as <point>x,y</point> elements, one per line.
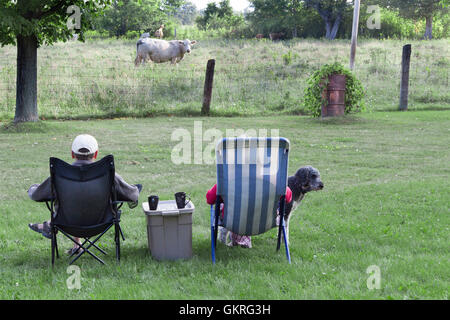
<point>98,78</point>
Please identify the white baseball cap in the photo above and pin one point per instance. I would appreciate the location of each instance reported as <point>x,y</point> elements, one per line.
<point>84,141</point>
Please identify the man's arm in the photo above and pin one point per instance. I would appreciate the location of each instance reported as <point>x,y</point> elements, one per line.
<point>41,192</point>
<point>125,191</point>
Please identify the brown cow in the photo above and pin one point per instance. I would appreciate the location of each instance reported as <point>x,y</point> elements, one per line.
<point>159,33</point>
<point>259,36</point>
<point>276,36</point>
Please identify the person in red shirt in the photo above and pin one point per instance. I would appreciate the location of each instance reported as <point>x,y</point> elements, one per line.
<point>228,237</point>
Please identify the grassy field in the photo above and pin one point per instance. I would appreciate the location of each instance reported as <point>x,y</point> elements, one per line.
<point>385,203</point>
<point>98,79</point>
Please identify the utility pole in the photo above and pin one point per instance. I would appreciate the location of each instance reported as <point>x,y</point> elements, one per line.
<point>354,34</point>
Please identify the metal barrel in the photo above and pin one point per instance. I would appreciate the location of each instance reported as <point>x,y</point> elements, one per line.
<point>335,96</point>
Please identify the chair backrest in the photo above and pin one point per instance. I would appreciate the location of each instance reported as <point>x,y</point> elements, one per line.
<point>83,193</point>
<point>251,178</point>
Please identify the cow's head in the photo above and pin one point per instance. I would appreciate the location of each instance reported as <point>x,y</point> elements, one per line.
<point>186,45</point>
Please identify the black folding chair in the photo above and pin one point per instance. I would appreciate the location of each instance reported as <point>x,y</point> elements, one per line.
<point>86,204</point>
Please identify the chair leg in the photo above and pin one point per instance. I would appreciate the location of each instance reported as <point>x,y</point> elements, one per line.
<point>214,223</point>
<point>53,248</point>
<point>118,232</point>
<point>213,246</point>
<point>288,255</point>
<point>121,233</point>
<point>281,222</point>
<point>56,247</point>
<point>280,228</point>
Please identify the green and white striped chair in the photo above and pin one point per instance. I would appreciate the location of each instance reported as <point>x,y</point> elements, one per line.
<point>251,183</point>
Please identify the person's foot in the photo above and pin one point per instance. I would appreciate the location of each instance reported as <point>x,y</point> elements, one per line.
<point>139,186</point>
<point>42,228</point>
<point>75,249</point>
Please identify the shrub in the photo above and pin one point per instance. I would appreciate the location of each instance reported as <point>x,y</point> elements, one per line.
<point>354,92</point>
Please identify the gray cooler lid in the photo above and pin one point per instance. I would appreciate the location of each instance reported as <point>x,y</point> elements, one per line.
<point>168,208</point>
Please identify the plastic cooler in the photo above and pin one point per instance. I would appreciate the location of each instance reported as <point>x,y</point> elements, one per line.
<point>169,230</point>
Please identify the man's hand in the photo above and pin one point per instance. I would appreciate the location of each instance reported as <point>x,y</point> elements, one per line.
<point>133,205</point>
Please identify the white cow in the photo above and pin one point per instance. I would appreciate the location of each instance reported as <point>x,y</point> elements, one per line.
<point>160,51</point>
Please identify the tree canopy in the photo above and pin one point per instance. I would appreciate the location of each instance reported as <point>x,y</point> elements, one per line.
<point>46,20</point>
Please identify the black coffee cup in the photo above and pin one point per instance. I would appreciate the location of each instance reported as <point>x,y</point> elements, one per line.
<point>153,202</point>
<point>180,199</point>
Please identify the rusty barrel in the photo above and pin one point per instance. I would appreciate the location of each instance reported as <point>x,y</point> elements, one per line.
<point>334,94</point>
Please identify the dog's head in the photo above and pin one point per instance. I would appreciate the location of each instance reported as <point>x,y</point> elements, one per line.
<point>309,179</point>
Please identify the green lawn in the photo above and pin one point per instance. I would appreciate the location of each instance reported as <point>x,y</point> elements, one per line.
<point>385,203</point>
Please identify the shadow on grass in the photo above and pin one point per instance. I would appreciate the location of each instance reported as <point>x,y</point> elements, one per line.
<point>25,127</point>
<point>417,108</point>
<point>339,121</point>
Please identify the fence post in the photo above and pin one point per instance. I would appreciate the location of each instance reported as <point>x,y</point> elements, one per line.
<point>207,92</point>
<point>404,87</point>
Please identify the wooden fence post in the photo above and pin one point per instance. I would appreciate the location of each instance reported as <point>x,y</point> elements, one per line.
<point>207,92</point>
<point>404,87</point>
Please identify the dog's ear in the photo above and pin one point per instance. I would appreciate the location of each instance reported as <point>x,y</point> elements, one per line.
<point>303,176</point>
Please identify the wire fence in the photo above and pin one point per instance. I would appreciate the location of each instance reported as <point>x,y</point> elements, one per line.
<point>67,87</point>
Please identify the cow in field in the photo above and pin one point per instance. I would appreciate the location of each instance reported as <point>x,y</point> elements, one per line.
<point>259,36</point>
<point>276,36</point>
<point>159,33</point>
<point>160,51</point>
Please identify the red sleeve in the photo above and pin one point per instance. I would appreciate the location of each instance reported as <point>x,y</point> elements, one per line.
<point>288,195</point>
<point>211,195</point>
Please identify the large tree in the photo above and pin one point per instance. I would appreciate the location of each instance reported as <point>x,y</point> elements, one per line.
<point>29,24</point>
<point>186,13</point>
<point>136,15</point>
<point>332,13</point>
<point>277,15</point>
<point>418,9</point>
<point>223,12</point>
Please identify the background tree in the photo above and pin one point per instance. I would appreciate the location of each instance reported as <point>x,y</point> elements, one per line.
<point>332,13</point>
<point>186,13</point>
<point>218,16</point>
<point>276,16</point>
<point>136,15</point>
<point>418,9</point>
<point>30,24</point>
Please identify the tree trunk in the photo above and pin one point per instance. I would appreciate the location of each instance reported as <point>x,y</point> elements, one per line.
<point>332,28</point>
<point>328,27</point>
<point>335,28</point>
<point>429,28</point>
<point>26,83</point>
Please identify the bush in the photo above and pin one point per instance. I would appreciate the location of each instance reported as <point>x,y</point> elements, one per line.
<point>96,34</point>
<point>354,92</point>
<point>132,35</point>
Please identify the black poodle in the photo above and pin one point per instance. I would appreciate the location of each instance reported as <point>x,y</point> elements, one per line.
<point>306,179</point>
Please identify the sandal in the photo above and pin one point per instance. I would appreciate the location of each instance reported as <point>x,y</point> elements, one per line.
<point>74,250</point>
<point>46,230</point>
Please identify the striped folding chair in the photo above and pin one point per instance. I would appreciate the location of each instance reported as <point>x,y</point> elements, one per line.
<point>251,183</point>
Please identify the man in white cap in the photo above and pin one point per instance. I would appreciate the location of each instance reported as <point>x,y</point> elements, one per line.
<point>84,151</point>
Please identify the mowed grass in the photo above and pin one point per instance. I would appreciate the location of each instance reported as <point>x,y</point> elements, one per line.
<point>97,79</point>
<point>385,203</point>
